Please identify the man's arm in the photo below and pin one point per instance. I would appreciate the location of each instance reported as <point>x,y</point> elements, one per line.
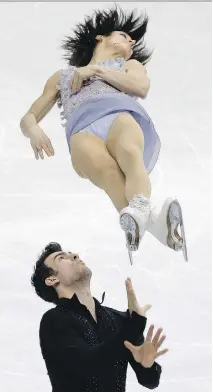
<point>134,81</point>
<point>42,105</point>
<point>147,377</point>
<point>64,347</point>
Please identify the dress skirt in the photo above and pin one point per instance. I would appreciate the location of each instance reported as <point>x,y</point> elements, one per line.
<point>95,115</point>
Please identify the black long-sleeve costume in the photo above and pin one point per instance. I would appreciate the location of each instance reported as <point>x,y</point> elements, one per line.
<point>84,356</point>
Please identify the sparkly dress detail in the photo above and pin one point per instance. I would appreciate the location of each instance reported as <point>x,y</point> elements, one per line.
<point>93,87</point>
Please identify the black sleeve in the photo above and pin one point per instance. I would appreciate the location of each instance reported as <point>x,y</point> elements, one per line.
<point>65,347</point>
<point>147,377</point>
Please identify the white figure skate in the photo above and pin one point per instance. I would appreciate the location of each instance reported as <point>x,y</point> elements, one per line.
<point>164,226</point>
<point>134,220</point>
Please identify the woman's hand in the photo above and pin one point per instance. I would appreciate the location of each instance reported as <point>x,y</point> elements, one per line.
<point>81,74</point>
<point>40,142</point>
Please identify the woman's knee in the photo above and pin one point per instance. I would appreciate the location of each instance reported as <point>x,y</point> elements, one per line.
<point>105,169</point>
<point>99,168</point>
<point>129,152</point>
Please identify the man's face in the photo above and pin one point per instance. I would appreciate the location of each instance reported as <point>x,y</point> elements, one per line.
<point>69,267</point>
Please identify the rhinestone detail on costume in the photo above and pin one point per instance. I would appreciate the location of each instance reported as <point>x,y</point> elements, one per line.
<point>95,86</point>
<point>120,366</point>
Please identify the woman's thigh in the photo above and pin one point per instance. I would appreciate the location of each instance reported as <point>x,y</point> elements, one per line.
<point>125,134</point>
<point>90,157</point>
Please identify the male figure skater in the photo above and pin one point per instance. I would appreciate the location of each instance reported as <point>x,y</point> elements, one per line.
<point>87,346</point>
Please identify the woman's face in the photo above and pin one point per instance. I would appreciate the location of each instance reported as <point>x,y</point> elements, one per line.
<point>121,42</point>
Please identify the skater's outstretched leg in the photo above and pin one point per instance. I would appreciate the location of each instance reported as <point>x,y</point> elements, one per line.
<point>126,145</point>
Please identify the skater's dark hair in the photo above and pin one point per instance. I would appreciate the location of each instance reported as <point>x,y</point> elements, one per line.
<point>80,47</point>
<point>42,271</point>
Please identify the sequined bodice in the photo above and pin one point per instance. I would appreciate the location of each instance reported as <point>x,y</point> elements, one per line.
<point>93,87</point>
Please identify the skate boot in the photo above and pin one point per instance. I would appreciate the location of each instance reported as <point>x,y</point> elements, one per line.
<point>134,220</point>
<point>164,226</point>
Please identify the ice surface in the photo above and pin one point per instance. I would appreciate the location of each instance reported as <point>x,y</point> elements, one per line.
<point>46,201</point>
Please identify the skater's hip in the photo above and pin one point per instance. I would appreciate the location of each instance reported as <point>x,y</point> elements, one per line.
<point>94,109</point>
<point>101,126</point>
<point>96,116</point>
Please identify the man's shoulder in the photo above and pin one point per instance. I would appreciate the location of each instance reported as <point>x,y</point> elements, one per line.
<point>49,316</point>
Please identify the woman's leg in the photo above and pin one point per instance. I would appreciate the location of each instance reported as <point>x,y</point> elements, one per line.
<point>91,160</point>
<point>125,144</point>
<point>115,166</point>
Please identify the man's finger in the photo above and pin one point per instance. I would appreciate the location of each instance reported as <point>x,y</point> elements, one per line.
<point>130,346</point>
<point>162,352</point>
<point>157,336</point>
<point>146,308</point>
<point>150,333</point>
<point>160,342</point>
<point>132,300</point>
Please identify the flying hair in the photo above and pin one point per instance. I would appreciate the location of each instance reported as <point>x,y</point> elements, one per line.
<point>79,48</point>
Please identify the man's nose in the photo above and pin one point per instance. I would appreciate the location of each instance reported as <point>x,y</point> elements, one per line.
<point>75,256</point>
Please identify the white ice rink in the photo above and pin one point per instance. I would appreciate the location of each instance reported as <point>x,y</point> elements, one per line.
<point>43,201</point>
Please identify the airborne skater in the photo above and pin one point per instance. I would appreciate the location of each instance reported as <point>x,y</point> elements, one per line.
<point>111,138</point>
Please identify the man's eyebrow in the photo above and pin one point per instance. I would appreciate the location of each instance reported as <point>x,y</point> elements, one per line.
<point>59,254</point>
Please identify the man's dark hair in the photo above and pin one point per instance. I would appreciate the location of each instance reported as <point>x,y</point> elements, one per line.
<point>79,48</point>
<point>42,271</point>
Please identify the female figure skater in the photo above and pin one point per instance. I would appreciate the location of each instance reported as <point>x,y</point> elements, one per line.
<point>112,140</point>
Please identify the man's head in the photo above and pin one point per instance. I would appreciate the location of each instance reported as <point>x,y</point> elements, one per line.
<point>57,271</point>
<point>117,28</point>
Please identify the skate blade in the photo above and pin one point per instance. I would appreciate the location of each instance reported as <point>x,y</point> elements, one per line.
<point>175,219</point>
<point>131,229</point>
<point>130,256</point>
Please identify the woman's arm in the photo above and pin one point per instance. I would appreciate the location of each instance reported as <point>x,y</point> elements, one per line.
<point>134,81</point>
<point>42,105</point>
